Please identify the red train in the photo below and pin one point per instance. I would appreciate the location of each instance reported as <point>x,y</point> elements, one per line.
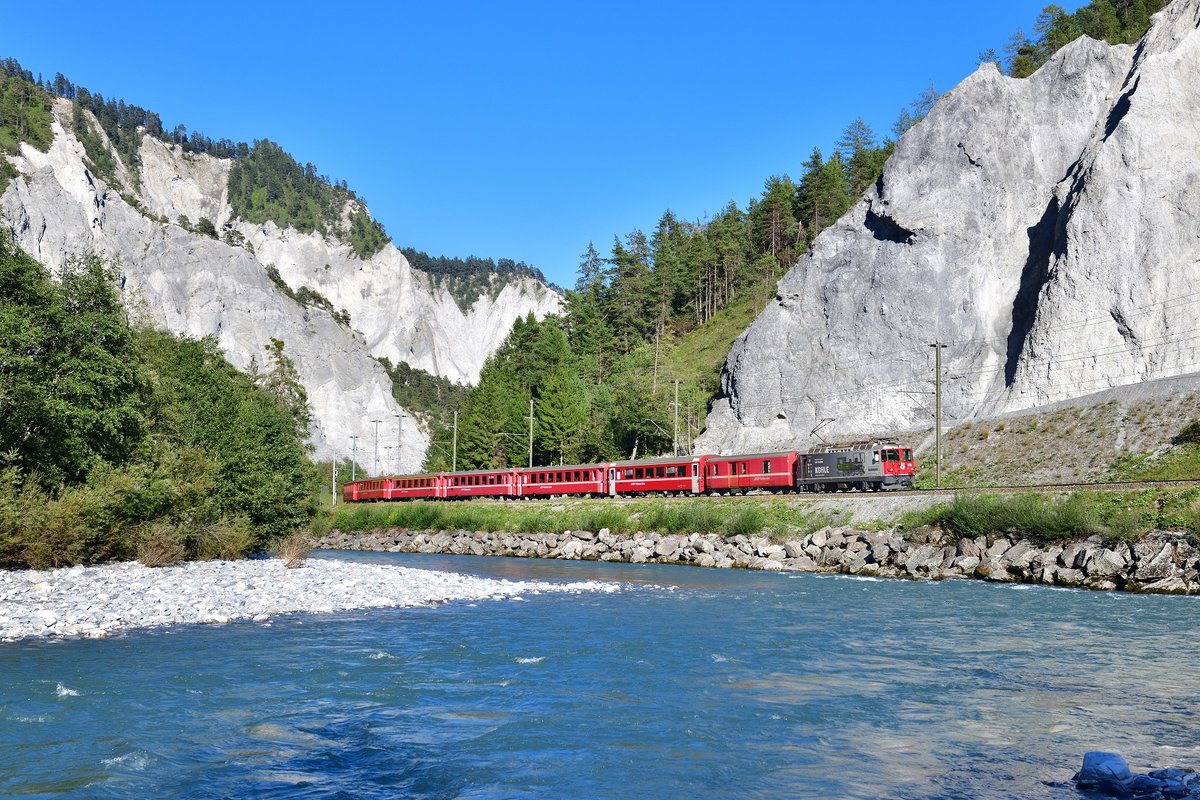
<point>869,466</point>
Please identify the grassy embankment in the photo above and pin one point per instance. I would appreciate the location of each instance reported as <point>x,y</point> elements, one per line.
<point>753,515</point>
<point>1042,518</point>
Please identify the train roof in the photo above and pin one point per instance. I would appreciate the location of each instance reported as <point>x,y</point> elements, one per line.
<point>739,456</point>
<point>561,467</point>
<point>658,460</point>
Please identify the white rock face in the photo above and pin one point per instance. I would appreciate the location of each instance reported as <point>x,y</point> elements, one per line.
<point>399,311</point>
<point>196,286</point>
<point>1044,229</point>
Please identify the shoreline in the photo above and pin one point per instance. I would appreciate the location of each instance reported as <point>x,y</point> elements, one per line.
<point>1159,563</point>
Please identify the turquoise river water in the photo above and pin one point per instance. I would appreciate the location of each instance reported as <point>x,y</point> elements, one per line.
<point>688,683</point>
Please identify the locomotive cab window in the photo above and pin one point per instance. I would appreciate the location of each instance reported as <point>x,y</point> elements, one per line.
<point>907,455</point>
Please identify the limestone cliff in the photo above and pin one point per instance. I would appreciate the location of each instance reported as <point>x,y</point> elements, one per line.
<point>1044,229</point>
<point>195,285</point>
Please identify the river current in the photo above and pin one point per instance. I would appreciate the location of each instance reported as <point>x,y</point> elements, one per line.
<point>688,683</point>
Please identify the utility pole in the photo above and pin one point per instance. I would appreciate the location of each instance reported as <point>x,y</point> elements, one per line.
<point>454,446</point>
<point>675,441</point>
<point>937,412</point>
<point>397,416</point>
<point>375,471</point>
<point>353,458</point>
<point>333,484</point>
<point>531,434</point>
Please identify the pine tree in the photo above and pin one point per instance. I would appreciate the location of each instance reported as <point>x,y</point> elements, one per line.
<point>282,382</point>
<point>561,415</point>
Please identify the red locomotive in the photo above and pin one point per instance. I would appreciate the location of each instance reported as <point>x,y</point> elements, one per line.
<point>865,466</point>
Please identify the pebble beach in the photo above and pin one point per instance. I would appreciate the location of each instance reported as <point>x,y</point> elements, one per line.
<point>98,601</point>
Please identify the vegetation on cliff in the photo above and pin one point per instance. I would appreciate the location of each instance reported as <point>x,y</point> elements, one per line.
<point>467,279</point>
<point>118,440</point>
<point>1112,21</point>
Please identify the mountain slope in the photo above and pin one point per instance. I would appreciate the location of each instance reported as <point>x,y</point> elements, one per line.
<point>1044,229</point>
<point>152,222</point>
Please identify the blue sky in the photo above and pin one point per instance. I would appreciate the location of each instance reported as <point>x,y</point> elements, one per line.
<point>524,130</point>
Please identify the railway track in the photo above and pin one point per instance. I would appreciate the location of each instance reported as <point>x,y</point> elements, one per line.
<point>1054,488</point>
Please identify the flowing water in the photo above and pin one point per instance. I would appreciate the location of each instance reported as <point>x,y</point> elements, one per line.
<point>688,683</point>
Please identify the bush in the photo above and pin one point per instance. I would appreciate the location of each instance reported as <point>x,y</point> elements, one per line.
<point>293,550</point>
<point>1190,434</point>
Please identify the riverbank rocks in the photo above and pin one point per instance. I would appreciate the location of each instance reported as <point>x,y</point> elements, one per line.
<point>1162,562</point>
<point>1108,775</point>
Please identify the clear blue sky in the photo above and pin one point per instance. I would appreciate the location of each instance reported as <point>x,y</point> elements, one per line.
<point>524,130</point>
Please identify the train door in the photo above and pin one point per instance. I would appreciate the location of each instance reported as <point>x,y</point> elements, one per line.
<point>612,481</point>
<point>695,477</point>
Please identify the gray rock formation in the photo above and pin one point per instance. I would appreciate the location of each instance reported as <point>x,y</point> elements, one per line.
<point>1044,229</point>
<point>197,286</point>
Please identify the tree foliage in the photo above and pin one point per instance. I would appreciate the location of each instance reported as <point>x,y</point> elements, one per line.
<point>112,437</point>
<point>1112,21</point>
<point>267,184</point>
<point>469,278</point>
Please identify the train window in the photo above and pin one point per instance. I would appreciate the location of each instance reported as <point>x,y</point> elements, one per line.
<point>893,455</point>
<point>628,473</point>
<point>695,470</point>
<point>875,457</point>
<point>766,467</point>
<point>559,477</point>
<point>907,454</point>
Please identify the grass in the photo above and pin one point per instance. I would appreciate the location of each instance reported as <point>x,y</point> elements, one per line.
<point>750,516</point>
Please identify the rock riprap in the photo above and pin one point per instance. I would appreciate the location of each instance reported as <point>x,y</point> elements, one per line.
<point>1161,563</point>
<point>1043,228</point>
<point>97,601</point>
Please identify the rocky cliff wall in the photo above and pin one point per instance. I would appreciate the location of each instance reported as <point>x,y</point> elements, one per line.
<point>1044,229</point>
<point>197,286</point>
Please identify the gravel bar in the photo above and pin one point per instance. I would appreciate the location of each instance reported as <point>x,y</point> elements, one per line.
<point>98,601</point>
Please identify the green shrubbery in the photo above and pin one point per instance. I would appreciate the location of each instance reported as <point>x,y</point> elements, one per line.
<point>117,441</point>
<point>1044,518</point>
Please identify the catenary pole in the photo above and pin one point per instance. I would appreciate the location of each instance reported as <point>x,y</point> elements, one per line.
<point>531,434</point>
<point>397,416</point>
<point>675,441</point>
<point>353,458</point>
<point>375,470</point>
<point>454,446</point>
<point>937,412</point>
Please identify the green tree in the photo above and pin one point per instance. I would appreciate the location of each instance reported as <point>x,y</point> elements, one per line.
<point>282,382</point>
<point>561,416</point>
<point>863,156</point>
<point>823,196</point>
<point>70,387</point>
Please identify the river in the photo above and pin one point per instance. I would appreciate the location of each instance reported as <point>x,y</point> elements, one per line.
<point>688,683</point>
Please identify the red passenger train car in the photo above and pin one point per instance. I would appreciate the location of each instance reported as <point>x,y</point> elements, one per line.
<point>775,472</point>
<point>480,483</point>
<point>671,475</point>
<point>581,479</point>
<point>863,466</point>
